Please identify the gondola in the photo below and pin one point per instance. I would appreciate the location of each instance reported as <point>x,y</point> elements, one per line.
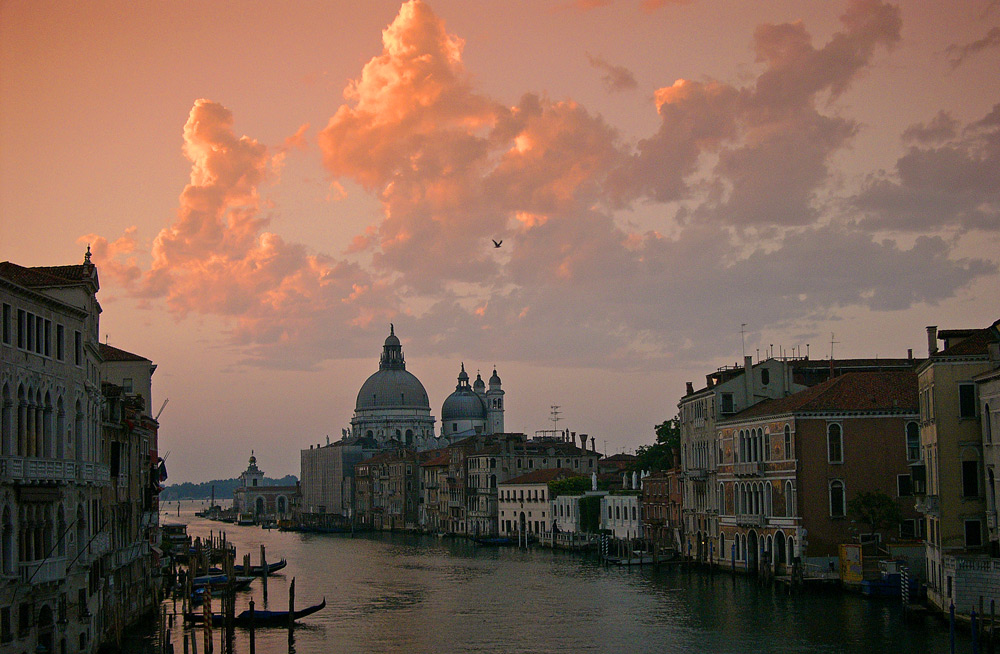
<point>255,570</point>
<point>221,581</point>
<point>260,618</point>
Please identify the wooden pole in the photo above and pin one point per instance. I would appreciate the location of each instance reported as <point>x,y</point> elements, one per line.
<point>263,566</point>
<point>291,609</point>
<point>253,636</point>
<point>194,642</point>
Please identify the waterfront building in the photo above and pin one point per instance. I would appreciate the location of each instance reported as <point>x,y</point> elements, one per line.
<point>434,493</point>
<point>388,490</point>
<point>73,542</point>
<point>130,501</point>
<point>661,507</point>
<point>789,467</point>
<point>988,390</point>
<point>524,502</point>
<point>621,514</point>
<point>729,390</point>
<point>327,480</point>
<point>265,503</point>
<point>950,473</point>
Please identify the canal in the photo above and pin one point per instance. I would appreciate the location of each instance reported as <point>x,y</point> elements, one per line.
<point>396,593</point>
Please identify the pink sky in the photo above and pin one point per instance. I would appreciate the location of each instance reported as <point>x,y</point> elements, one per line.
<point>267,185</point>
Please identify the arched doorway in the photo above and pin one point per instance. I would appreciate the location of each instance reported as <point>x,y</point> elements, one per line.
<point>752,552</point>
<point>780,557</point>
<point>281,504</point>
<point>259,505</point>
<point>45,628</point>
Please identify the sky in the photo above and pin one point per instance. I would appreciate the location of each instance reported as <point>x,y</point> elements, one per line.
<point>266,185</point>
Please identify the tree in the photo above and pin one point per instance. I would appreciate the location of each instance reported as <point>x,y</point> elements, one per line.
<point>660,455</point>
<point>875,509</point>
<point>569,486</point>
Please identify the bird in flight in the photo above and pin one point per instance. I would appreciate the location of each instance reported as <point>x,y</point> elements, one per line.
<point>497,243</point>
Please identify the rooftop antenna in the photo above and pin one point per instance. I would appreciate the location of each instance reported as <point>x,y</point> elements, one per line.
<point>554,412</point>
<point>162,407</point>
<point>832,342</point>
<point>743,339</point>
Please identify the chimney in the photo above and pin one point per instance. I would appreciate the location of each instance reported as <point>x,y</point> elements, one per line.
<point>593,443</point>
<point>748,380</point>
<point>931,340</point>
<point>909,354</point>
<point>583,441</point>
<point>708,381</point>
<point>689,388</point>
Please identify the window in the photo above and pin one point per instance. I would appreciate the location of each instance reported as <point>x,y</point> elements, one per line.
<point>765,376</point>
<point>970,478</point>
<point>904,487</point>
<point>834,443</point>
<point>973,533</point>
<point>727,403</point>
<point>788,442</point>
<point>837,499</point>
<point>60,342</point>
<point>6,330</point>
<point>912,441</point>
<point>127,385</point>
<point>966,400</point>
<point>988,423</point>
<point>22,318</point>
<point>78,348</point>
<point>908,529</point>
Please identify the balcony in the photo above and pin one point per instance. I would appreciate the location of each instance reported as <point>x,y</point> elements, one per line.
<point>749,520</point>
<point>929,504</point>
<point>42,572</point>
<point>750,469</point>
<point>89,472</point>
<point>696,474</point>
<point>32,470</point>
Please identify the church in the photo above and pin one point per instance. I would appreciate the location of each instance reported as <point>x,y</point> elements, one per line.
<point>394,411</point>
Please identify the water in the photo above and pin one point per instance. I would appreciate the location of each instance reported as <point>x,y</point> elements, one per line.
<point>393,593</point>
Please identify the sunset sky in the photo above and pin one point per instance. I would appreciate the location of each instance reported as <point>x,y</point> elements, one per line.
<point>267,185</point>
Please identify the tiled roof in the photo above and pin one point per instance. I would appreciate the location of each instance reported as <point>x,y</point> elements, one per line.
<point>439,460</point>
<point>41,276</point>
<point>543,476</point>
<point>855,391</point>
<point>111,353</point>
<point>976,343</point>
<point>627,458</point>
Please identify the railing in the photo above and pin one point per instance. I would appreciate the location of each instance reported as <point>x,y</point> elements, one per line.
<point>748,469</point>
<point>30,469</point>
<point>746,520</point>
<point>698,474</point>
<point>41,572</point>
<point>991,519</point>
<point>928,504</point>
<point>93,472</point>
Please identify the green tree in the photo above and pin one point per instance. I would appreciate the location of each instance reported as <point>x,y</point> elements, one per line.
<point>569,486</point>
<point>875,509</point>
<point>660,455</point>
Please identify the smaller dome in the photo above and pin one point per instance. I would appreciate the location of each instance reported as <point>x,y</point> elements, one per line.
<point>479,385</point>
<point>391,339</point>
<point>495,379</point>
<point>463,404</point>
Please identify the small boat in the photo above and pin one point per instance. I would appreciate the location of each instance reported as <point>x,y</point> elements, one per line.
<point>221,581</point>
<point>260,618</point>
<point>255,570</point>
<point>495,540</point>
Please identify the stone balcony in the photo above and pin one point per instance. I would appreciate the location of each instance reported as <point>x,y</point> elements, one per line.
<point>33,470</point>
<point>746,520</point>
<point>696,474</point>
<point>930,504</point>
<point>42,572</point>
<point>748,469</point>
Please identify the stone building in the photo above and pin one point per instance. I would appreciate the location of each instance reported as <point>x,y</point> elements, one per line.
<point>388,490</point>
<point>264,503</point>
<point>661,508</point>
<point>790,466</point>
<point>327,480</point>
<point>525,506</point>
<point>75,544</point>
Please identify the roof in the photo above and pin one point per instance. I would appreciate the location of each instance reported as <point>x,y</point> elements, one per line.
<point>893,391</point>
<point>628,458</point>
<point>42,276</point>
<point>439,460</point>
<point>543,476</point>
<point>111,353</point>
<point>975,342</point>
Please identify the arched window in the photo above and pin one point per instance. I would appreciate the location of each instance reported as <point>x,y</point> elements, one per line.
<point>6,421</point>
<point>788,442</point>
<point>834,443</point>
<point>767,445</point>
<point>838,508</point>
<point>7,544</point>
<point>988,423</point>
<point>912,441</point>
<point>743,448</point>
<point>767,498</point>
<point>789,500</point>
<point>722,499</point>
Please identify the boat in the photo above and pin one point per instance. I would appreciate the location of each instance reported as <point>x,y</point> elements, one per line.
<point>495,540</point>
<point>221,581</point>
<point>255,570</point>
<point>260,618</point>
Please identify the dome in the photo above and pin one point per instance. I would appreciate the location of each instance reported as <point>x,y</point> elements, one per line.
<point>464,403</point>
<point>479,385</point>
<point>495,379</point>
<point>392,389</point>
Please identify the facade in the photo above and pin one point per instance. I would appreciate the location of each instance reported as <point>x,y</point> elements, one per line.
<point>434,494</point>
<point>75,544</point>
<point>264,503</point>
<point>524,502</point>
<point>471,410</point>
<point>621,514</point>
<point>789,467</point>
<point>388,491</point>
<point>950,473</point>
<point>661,508</point>
<point>327,480</point>
<point>988,390</point>
<point>728,391</point>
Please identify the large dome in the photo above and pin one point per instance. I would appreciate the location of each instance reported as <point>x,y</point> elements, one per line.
<point>392,387</point>
<point>464,403</point>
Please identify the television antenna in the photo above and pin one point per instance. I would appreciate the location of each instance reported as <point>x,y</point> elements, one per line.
<point>554,414</point>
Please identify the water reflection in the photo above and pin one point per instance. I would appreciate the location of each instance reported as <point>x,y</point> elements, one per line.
<point>389,593</point>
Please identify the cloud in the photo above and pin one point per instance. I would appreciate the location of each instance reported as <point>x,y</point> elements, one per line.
<point>615,78</point>
<point>756,155</point>
<point>959,53</point>
<point>946,178</point>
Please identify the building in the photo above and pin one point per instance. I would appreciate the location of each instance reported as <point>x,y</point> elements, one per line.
<point>388,490</point>
<point>264,503</point>
<point>76,545</point>
<point>661,508</point>
<point>434,494</point>
<point>621,514</point>
<point>788,468</point>
<point>729,390</point>
<point>327,481</point>
<point>392,406</point>
<point>949,476</point>
<point>524,502</point>
<point>988,390</point>
<point>471,410</point>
